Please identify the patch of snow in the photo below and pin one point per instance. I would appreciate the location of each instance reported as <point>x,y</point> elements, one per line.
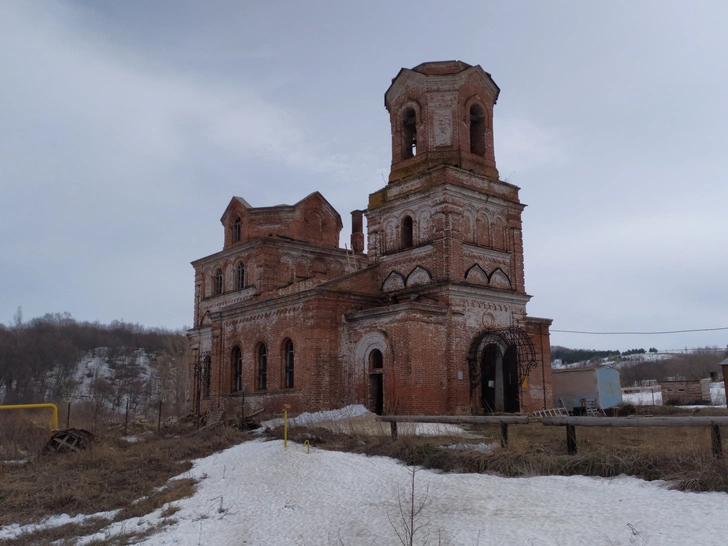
<point>348,412</point>
<point>260,494</point>
<point>10,532</point>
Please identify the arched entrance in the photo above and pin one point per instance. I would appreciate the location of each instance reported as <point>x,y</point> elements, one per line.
<point>499,362</point>
<point>376,382</point>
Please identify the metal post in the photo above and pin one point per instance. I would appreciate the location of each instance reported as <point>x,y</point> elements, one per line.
<point>393,428</point>
<point>504,434</point>
<point>571,439</point>
<point>68,416</point>
<point>715,437</point>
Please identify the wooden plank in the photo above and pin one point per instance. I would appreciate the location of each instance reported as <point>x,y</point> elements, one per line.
<point>456,419</point>
<point>696,421</point>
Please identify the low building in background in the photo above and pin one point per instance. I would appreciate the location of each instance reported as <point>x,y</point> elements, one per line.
<point>685,392</point>
<point>577,387</point>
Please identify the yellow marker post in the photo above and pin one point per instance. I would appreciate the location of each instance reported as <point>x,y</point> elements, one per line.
<point>308,446</point>
<point>36,406</point>
<point>286,407</point>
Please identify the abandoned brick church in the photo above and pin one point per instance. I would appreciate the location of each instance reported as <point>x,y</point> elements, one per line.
<point>430,320</point>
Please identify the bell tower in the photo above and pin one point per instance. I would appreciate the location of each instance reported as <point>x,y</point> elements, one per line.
<point>444,208</point>
<point>441,113</point>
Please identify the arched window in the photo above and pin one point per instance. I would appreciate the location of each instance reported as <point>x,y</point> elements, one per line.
<point>206,376</point>
<point>218,282</point>
<point>477,130</point>
<point>288,363</point>
<point>240,276</point>
<point>376,360</point>
<point>409,133</point>
<point>407,232</point>
<point>236,362</point>
<point>236,230</point>
<point>262,367</point>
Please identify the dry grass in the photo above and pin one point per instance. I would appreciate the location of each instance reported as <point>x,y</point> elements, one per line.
<point>680,455</point>
<point>113,475</point>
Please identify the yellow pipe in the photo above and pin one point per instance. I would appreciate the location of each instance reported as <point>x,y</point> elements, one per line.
<point>36,406</point>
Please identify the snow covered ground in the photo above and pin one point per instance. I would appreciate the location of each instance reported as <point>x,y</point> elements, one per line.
<point>653,396</point>
<point>259,493</point>
<point>356,419</point>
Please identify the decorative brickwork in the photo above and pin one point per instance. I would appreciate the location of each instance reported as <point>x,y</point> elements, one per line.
<point>431,320</point>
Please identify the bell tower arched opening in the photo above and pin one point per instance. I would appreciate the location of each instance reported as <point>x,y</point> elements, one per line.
<point>409,133</point>
<point>477,130</point>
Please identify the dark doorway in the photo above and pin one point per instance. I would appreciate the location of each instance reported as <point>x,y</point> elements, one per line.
<point>376,393</point>
<point>499,386</point>
<point>488,366</point>
<point>511,402</point>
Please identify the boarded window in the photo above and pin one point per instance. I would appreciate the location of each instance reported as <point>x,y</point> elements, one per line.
<point>237,369</point>
<point>262,367</point>
<point>240,276</point>
<point>218,281</point>
<point>288,363</point>
<point>236,230</point>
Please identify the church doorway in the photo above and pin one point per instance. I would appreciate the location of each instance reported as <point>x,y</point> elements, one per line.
<point>499,386</point>
<point>376,393</point>
<point>376,382</point>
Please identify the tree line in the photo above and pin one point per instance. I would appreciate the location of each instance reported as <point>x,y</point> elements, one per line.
<point>39,360</point>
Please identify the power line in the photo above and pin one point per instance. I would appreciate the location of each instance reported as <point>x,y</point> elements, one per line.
<point>639,333</point>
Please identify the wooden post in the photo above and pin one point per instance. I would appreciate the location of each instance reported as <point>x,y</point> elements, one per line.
<point>393,428</point>
<point>717,446</point>
<point>126,418</point>
<point>571,439</point>
<point>68,416</point>
<point>159,419</point>
<point>504,434</point>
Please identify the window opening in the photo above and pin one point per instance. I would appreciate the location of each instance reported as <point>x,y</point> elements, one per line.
<point>206,377</point>
<point>237,365</point>
<point>477,130</point>
<point>376,359</point>
<point>240,276</point>
<point>409,132</point>
<point>236,230</point>
<point>288,356</point>
<point>218,281</point>
<point>407,232</point>
<point>262,367</point>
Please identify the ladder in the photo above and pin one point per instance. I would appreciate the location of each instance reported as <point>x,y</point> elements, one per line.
<point>592,410</point>
<point>559,410</point>
<point>351,259</point>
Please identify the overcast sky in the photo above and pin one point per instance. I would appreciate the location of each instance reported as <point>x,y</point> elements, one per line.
<point>126,127</point>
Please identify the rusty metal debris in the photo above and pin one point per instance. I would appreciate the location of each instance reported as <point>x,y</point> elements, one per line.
<point>69,440</point>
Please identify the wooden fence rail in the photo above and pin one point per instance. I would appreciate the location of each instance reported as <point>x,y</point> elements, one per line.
<point>698,421</point>
<point>569,422</point>
<point>502,420</point>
